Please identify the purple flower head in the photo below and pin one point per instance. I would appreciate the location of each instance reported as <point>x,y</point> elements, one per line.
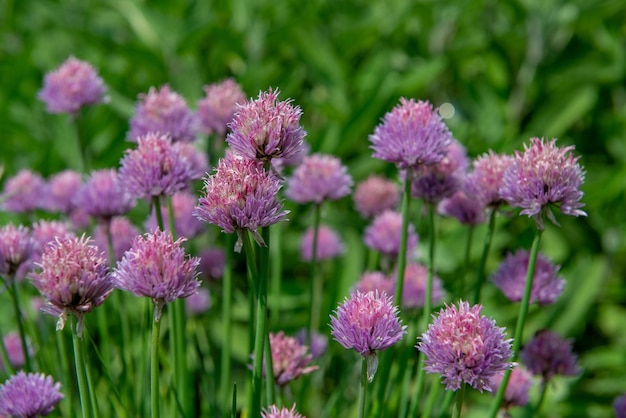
<point>266,128</point>
<point>319,178</point>
<point>367,322</point>
<point>45,232</point>
<point>16,246</point>
<point>414,289</point>
<point>72,86</point>
<point>440,180</point>
<point>274,412</point>
<point>29,395</point>
<point>318,342</point>
<point>23,192</point>
<point>519,385</point>
<point>462,206</point>
<point>13,344</point>
<point>279,163</point>
<point>484,182</point>
<point>122,231</point>
<point>60,190</point>
<point>329,245</point>
<point>290,359</point>
<point>241,195</point>
<point>163,111</point>
<point>186,225</point>
<point>411,135</point>
<point>155,168</point>
<point>156,266</point>
<point>73,278</point>
<point>199,302</point>
<point>103,196</point>
<point>384,234</point>
<point>212,263</point>
<point>375,281</point>
<point>196,160</point>
<point>619,406</point>
<point>218,107</point>
<point>547,355</point>
<point>465,347</point>
<point>375,195</point>
<point>510,278</point>
<point>541,176</point>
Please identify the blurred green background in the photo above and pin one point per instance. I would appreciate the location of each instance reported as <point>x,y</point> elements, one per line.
<point>512,70</point>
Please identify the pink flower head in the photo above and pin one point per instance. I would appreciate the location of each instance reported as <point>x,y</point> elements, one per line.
<point>218,106</point>
<point>199,302</point>
<point>45,232</point>
<point>510,278</point>
<point>467,209</point>
<point>414,289</point>
<point>266,128</point>
<point>72,86</point>
<point>186,225</point>
<point>543,176</point>
<point>519,385</point>
<point>465,347</point>
<point>329,245</point>
<point>195,159</point>
<point>319,178</point>
<point>29,395</point>
<point>547,355</point>
<point>375,281</point>
<point>165,112</point>
<point>61,189</point>
<point>241,195</point>
<point>23,192</point>
<point>411,135</point>
<point>16,247</point>
<point>156,266</point>
<point>384,234</point>
<point>13,344</point>
<point>484,182</point>
<point>122,231</point>
<point>290,359</point>
<point>103,196</point>
<point>74,278</point>
<point>274,412</point>
<point>375,195</point>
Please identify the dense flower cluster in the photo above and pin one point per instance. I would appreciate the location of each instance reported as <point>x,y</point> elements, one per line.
<point>60,191</point>
<point>274,412</point>
<point>319,178</point>
<point>16,246</point>
<point>485,180</point>
<point>290,358</point>
<point>218,106</point>
<point>467,209</point>
<point>23,192</point>
<point>375,195</point>
<point>104,196</point>
<point>385,232</point>
<point>547,355</point>
<point>29,395</point>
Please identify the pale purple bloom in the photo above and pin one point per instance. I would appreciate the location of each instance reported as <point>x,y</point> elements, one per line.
<point>368,323</point>
<point>274,412</point>
<point>23,192</point>
<point>375,195</point>
<point>516,393</point>
<point>60,191</point>
<point>414,289</point>
<point>385,232</point>
<point>547,355</point>
<point>13,344</point>
<point>45,232</point>
<point>29,395</point>
<point>375,281</point>
<point>465,347</point>
<point>16,247</point>
<point>484,182</point>
<point>163,111</point>
<point>290,358</point>
<point>80,219</point>
<point>218,106</point>
<point>266,128</point>
<point>196,160</point>
<point>411,135</point>
<point>279,163</point>
<point>74,278</point>
<point>156,267</point>
<point>241,195</point>
<point>619,406</point>
<point>467,209</point>
<point>510,278</point>
<point>542,176</point>
<point>122,231</point>
<point>212,263</point>
<point>318,343</point>
<point>329,244</point>
<point>103,196</point>
<point>199,302</point>
<point>319,178</point>
<point>72,86</point>
<point>186,225</point>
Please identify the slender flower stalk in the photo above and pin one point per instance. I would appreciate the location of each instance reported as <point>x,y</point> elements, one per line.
<point>316,283</point>
<point>227,295</point>
<point>154,365</point>
<point>20,325</point>
<point>363,388</point>
<point>83,389</point>
<point>480,277</point>
<point>458,405</point>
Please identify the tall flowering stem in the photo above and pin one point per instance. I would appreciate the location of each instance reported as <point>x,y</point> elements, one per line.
<point>315,291</point>
<point>480,278</point>
<point>154,365</point>
<point>20,326</point>
<point>521,319</point>
<point>227,295</point>
<point>83,390</point>
<point>156,203</point>
<point>363,388</point>
<point>460,396</point>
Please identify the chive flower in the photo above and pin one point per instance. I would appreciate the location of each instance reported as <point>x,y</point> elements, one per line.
<point>219,105</point>
<point>548,354</point>
<point>375,195</point>
<point>29,395</point>
<point>317,179</point>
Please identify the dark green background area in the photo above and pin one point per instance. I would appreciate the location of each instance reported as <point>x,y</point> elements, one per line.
<point>511,69</point>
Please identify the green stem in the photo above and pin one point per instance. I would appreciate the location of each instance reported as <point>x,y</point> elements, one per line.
<point>227,295</point>
<point>90,386</point>
<point>269,371</point>
<point>63,353</point>
<point>156,205</point>
<point>521,319</point>
<point>80,371</point>
<point>445,406</point>
<point>154,372</point>
<point>542,396</point>
<point>459,401</point>
<point>8,367</point>
<point>363,387</point>
<point>407,365</point>
<point>83,164</point>
<point>430,401</point>
<point>315,290</point>
<point>480,277</point>
<point>20,324</point>
<point>277,263</point>
<point>466,258</point>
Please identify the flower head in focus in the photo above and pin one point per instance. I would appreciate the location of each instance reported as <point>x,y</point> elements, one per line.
<point>319,178</point>
<point>547,355</point>
<point>274,412</point>
<point>29,395</point>
<point>218,106</point>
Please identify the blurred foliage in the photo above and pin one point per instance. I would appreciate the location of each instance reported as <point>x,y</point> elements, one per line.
<point>512,70</point>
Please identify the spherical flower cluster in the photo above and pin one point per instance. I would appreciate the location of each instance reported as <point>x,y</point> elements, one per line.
<point>319,178</point>
<point>122,231</point>
<point>60,190</point>
<point>156,266</point>
<point>241,195</point>
<point>619,406</point>
<point>465,347</point>
<point>212,262</point>
<point>414,289</point>
<point>29,395</point>
<point>516,393</point>
<point>485,180</point>
<point>467,210</point>
<point>16,246</point>
<point>274,412</point>
<point>103,196</point>
<point>547,355</point>
<point>510,278</point>
<point>385,232</point>
<point>290,359</point>
<point>185,224</point>
<point>13,345</point>
<point>218,106</point>
<point>74,278</point>
<point>45,232</point>
<point>375,195</point>
<point>375,281</point>
<point>542,176</point>
<point>162,111</point>
<point>329,245</point>
<point>266,128</point>
<point>411,135</point>
<point>23,192</point>
<point>195,159</point>
<point>72,86</point>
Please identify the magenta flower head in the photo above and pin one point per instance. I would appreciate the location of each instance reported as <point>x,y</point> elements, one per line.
<point>547,355</point>
<point>619,406</point>
<point>186,225</point>
<point>375,195</point>
<point>266,128</point>
<point>384,234</point>
<point>29,395</point>
<point>465,347</point>
<point>45,232</point>
<point>375,281</point>
<point>290,359</point>
<point>156,266</point>
<point>368,323</point>
<point>61,189</point>
<point>241,195</point>
<point>218,106</point>
<point>466,209</point>
<point>162,111</point>
<point>103,196</point>
<point>484,182</point>
<point>16,247</point>
<point>23,192</point>
<point>510,278</point>
<point>13,345</point>
<point>122,231</point>
<point>274,412</point>
<point>319,178</point>
<point>411,135</point>
<point>329,245</point>
<point>519,385</point>
<point>543,176</point>
<point>414,289</point>
<point>74,278</point>
<point>72,86</point>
